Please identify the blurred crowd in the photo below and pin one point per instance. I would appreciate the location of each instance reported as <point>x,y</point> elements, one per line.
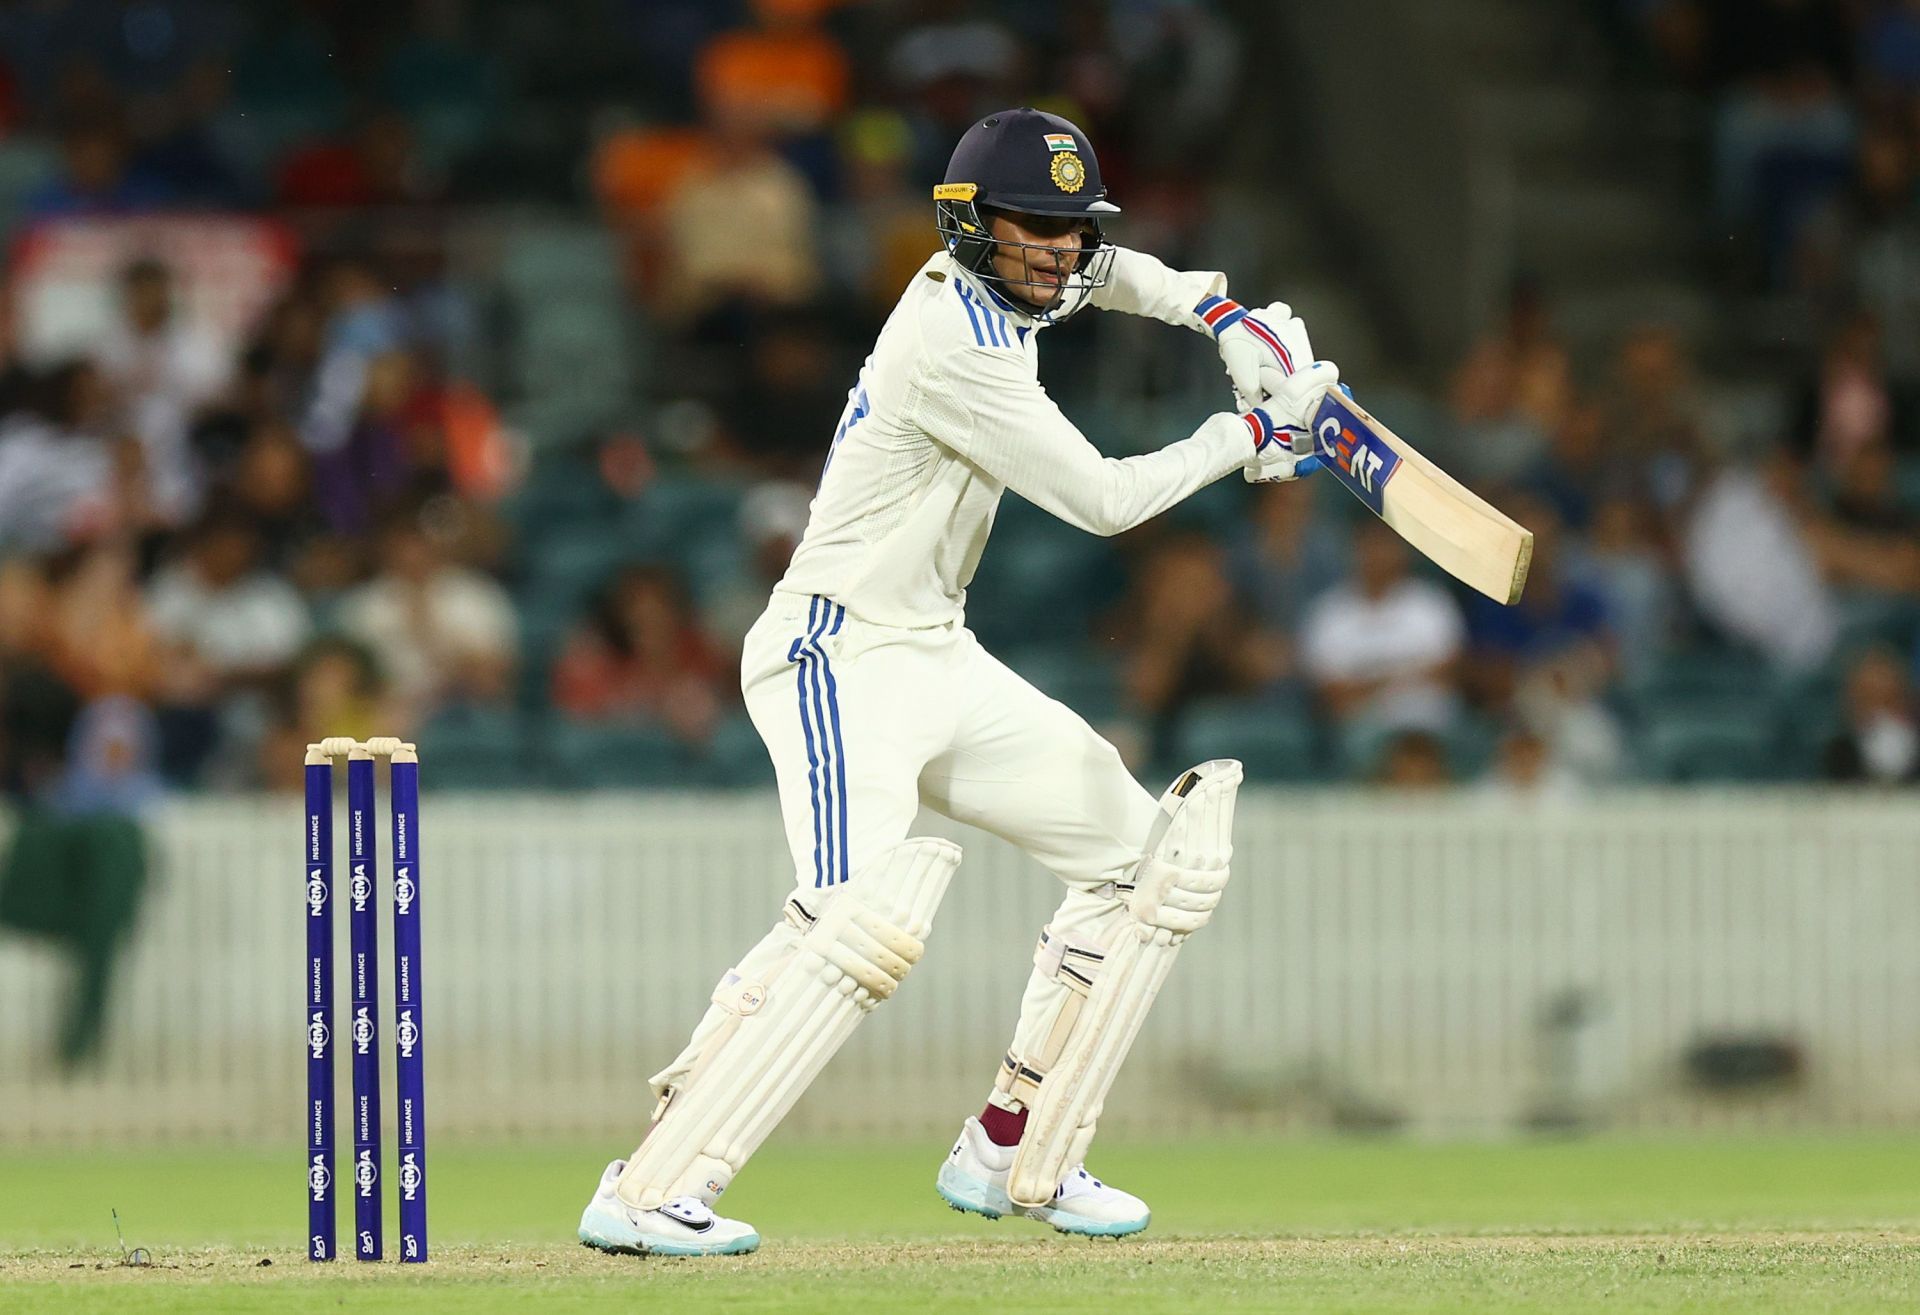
<point>1815,142</point>
<point>344,521</point>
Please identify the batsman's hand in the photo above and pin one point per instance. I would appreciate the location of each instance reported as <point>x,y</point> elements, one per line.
<point>1282,427</point>
<point>1257,346</point>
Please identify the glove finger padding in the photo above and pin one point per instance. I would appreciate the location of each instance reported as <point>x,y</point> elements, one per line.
<point>1272,336</point>
<point>1292,399</point>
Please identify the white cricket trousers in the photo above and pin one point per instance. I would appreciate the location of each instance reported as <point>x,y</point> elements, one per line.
<point>865,723</point>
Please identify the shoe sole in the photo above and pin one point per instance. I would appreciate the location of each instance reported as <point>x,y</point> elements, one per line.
<point>973,1197</point>
<point>740,1246</point>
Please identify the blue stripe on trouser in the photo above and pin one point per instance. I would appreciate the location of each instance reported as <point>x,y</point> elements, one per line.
<point>819,695</point>
<point>799,652</point>
<point>839,748</point>
<point>824,805</point>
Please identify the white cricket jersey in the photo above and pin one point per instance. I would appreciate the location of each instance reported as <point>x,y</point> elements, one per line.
<point>948,413</point>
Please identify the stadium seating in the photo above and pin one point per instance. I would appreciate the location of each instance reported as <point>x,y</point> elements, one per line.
<point>1702,743</point>
<point>1084,678</point>
<point>477,749</point>
<point>595,755</point>
<point>1274,739</point>
<point>736,758</point>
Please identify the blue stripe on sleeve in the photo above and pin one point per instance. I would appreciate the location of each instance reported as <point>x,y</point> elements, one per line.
<point>972,315</point>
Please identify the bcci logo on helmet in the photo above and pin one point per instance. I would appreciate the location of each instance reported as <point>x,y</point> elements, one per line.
<point>402,891</point>
<point>362,888</point>
<point>318,1179</point>
<point>409,1176</point>
<point>362,1030</point>
<point>366,1173</point>
<point>1069,172</point>
<point>318,1035</point>
<point>407,1034</point>
<point>316,892</point>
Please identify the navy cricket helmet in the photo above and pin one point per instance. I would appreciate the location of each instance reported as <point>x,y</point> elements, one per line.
<point>1027,162</point>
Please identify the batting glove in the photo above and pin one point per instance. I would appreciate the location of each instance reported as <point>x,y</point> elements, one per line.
<point>1269,343</point>
<point>1283,444</point>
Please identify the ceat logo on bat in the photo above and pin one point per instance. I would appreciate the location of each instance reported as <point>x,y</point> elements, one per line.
<point>1355,454</point>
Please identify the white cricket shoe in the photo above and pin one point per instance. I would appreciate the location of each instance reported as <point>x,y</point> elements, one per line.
<point>974,1179</point>
<point>684,1226</point>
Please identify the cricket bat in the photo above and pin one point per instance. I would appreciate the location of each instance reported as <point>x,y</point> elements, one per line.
<point>1459,531</point>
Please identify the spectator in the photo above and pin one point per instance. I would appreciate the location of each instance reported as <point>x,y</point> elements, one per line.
<point>184,143</point>
<point>1577,469</point>
<point>224,629</point>
<point>268,481</point>
<point>1548,660</point>
<point>1653,412</point>
<point>1880,743</point>
<point>379,165</point>
<point>161,369</point>
<point>1868,540</point>
<point>38,705</point>
<point>1413,760</point>
<point>1189,639</point>
<point>98,638</point>
<point>1753,572</point>
<point>1783,129</point>
<point>794,355</point>
<point>1282,557</point>
<point>641,655</point>
<point>1858,249</point>
<point>1623,560</point>
<point>1848,405</point>
<point>226,622</point>
<point>1559,622</point>
<point>1524,772</point>
<point>883,237</point>
<point>785,76</point>
<point>1382,648</point>
<point>63,480</point>
<point>738,231</point>
<point>773,516</point>
<point>336,687</point>
<point>97,177</point>
<point>1515,386</point>
<point>953,66</point>
<point>353,424</point>
<point>444,633</point>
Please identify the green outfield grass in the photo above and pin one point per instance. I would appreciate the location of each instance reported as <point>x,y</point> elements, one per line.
<point>1603,1225</point>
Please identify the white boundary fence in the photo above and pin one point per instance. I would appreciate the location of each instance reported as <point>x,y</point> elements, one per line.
<point>1374,953</point>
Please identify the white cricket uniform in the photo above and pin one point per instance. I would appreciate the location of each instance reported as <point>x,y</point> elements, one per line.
<point>872,695</point>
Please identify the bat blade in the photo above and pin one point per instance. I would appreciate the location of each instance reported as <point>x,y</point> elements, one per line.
<point>1459,531</point>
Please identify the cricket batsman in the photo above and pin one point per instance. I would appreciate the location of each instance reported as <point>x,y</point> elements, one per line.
<point>874,698</point>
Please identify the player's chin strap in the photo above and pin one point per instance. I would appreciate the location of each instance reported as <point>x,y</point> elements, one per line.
<point>1176,886</point>
<point>779,1017</point>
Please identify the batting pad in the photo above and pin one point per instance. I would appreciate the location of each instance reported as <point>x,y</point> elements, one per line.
<point>1175,888</point>
<point>772,1028</point>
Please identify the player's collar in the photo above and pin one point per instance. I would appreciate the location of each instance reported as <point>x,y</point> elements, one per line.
<point>999,301</point>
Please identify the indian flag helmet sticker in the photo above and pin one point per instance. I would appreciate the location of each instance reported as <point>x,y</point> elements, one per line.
<point>1060,141</point>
